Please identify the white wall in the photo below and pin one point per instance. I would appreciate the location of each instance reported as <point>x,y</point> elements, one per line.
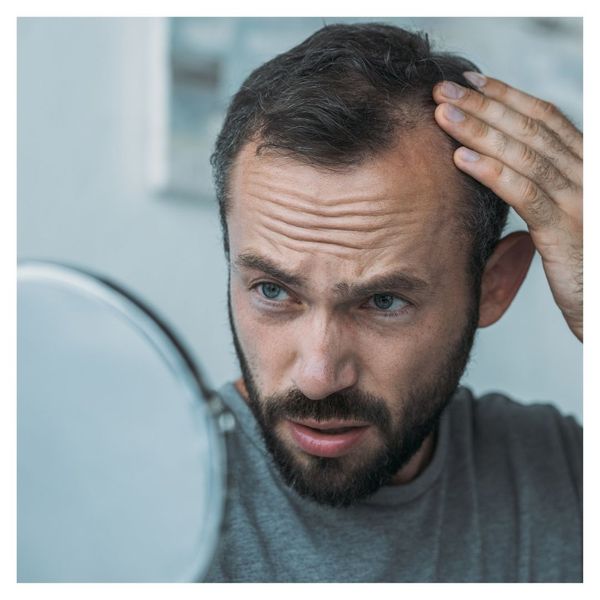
<point>83,193</point>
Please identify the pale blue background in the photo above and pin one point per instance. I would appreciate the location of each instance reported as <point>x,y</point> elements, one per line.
<point>84,195</point>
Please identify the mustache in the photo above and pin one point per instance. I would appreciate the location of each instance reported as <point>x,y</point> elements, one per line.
<point>352,405</point>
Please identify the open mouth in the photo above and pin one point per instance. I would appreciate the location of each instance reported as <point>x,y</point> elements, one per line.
<point>331,426</point>
<point>327,439</point>
<point>334,431</point>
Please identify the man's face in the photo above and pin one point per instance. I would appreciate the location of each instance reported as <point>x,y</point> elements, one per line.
<point>350,305</point>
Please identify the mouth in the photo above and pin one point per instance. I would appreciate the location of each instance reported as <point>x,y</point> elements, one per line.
<point>330,426</point>
<point>327,438</point>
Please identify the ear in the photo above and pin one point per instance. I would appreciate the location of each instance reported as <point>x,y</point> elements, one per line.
<point>503,275</point>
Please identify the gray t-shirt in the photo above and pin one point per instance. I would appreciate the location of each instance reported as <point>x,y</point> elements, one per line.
<point>501,500</point>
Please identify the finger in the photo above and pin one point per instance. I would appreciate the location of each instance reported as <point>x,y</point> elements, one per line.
<point>530,106</point>
<point>523,159</point>
<point>528,199</point>
<point>526,129</point>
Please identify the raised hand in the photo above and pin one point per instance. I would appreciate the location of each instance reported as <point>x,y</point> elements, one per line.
<point>531,156</point>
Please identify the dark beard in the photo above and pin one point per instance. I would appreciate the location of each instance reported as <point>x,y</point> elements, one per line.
<point>343,481</point>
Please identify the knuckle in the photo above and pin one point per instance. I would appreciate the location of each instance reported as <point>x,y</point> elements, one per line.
<point>500,143</point>
<point>505,112</point>
<point>529,193</point>
<point>539,208</point>
<point>502,89</point>
<point>482,102</point>
<point>551,109</point>
<point>543,108</point>
<point>480,129</point>
<point>545,172</point>
<point>528,156</point>
<point>495,172</point>
<point>552,140</point>
<point>560,183</point>
<point>531,127</point>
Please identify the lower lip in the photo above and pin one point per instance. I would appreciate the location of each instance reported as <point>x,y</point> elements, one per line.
<point>323,444</point>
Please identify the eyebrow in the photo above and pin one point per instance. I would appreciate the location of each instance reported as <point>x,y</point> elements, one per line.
<point>395,281</point>
<point>250,260</point>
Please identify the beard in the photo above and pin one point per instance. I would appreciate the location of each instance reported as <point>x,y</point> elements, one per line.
<point>345,480</point>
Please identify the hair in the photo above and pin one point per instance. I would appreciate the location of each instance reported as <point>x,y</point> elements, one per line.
<point>342,96</point>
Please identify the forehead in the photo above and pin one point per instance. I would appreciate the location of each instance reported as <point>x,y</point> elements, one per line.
<point>399,208</point>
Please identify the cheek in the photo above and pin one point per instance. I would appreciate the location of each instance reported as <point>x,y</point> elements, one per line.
<point>265,345</point>
<point>396,362</point>
<point>414,356</point>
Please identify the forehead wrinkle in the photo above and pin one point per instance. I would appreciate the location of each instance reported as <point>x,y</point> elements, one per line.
<point>299,201</point>
<point>371,207</point>
<point>365,230</point>
<point>269,185</point>
<point>344,238</point>
<point>330,250</point>
<point>329,192</point>
<point>303,222</point>
<point>409,188</point>
<point>326,240</point>
<point>416,151</point>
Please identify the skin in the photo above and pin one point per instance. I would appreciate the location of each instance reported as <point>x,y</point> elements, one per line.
<point>388,215</point>
<point>531,156</point>
<point>395,213</point>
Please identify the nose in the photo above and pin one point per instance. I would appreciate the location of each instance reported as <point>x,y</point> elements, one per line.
<point>326,361</point>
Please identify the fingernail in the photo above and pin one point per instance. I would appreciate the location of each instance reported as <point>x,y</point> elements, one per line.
<point>477,79</point>
<point>469,155</point>
<point>451,90</point>
<point>454,114</point>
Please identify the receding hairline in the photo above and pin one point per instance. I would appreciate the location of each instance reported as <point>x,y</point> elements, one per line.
<point>428,133</point>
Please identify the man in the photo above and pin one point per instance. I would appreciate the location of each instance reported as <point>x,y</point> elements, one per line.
<point>364,183</point>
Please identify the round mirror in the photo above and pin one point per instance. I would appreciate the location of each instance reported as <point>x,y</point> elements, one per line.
<point>120,445</point>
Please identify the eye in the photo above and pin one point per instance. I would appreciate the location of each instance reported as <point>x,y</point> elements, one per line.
<point>388,302</point>
<point>272,291</point>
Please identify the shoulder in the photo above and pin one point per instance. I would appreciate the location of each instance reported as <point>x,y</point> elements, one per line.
<point>499,415</point>
<point>519,466</point>
<point>535,439</point>
<point>536,426</point>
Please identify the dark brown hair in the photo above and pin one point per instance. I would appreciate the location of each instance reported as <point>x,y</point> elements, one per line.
<point>342,96</point>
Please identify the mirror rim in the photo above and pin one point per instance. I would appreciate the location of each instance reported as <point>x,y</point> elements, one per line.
<point>178,359</point>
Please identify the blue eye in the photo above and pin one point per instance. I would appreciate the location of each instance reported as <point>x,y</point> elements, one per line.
<point>271,290</point>
<point>388,302</point>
